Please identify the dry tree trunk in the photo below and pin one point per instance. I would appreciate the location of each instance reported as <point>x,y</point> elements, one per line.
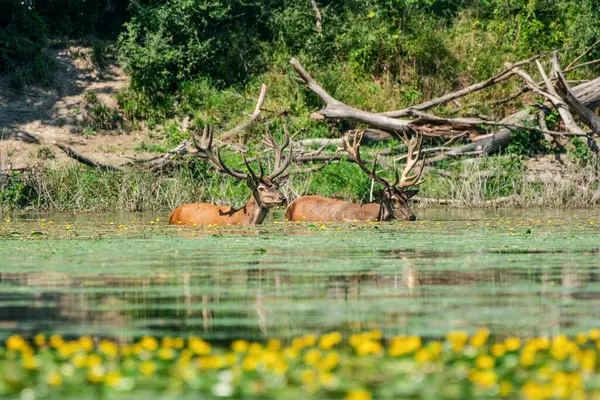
<point>432,125</point>
<point>588,95</point>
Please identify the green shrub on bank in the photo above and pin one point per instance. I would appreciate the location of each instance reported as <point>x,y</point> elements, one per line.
<point>411,49</point>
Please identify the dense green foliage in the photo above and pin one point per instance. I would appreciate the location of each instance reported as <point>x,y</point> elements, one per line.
<point>375,53</point>
<point>27,26</point>
<point>413,47</point>
<point>208,58</point>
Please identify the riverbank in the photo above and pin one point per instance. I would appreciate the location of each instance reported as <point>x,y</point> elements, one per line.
<point>509,181</point>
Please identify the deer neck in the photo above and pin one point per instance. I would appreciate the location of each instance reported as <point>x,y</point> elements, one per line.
<point>385,210</point>
<point>255,211</point>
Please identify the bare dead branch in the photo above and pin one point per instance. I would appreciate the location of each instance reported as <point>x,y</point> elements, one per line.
<point>585,64</point>
<point>586,115</point>
<point>576,60</point>
<point>511,97</point>
<point>505,74</point>
<point>370,135</point>
<point>555,99</point>
<point>462,123</point>
<point>318,17</point>
<point>335,109</point>
<point>424,151</point>
<point>85,160</point>
<point>319,142</point>
<point>232,133</point>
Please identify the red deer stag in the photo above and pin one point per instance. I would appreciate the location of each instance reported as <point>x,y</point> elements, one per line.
<point>393,203</point>
<point>265,191</point>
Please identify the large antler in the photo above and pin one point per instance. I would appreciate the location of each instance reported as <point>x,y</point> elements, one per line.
<point>408,180</point>
<point>354,151</point>
<point>278,148</point>
<point>205,151</point>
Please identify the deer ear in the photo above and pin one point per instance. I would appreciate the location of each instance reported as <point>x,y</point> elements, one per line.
<point>410,193</point>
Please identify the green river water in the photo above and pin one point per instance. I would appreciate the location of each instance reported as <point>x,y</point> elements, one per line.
<point>515,272</point>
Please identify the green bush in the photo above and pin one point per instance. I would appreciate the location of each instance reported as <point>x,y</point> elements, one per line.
<point>23,36</point>
<point>15,192</point>
<point>580,151</point>
<point>99,50</point>
<point>527,143</point>
<point>165,44</point>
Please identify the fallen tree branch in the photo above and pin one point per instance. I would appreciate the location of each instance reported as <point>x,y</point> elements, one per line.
<point>505,74</point>
<point>318,17</point>
<point>369,135</point>
<point>319,142</point>
<point>335,109</point>
<point>586,115</point>
<point>587,93</point>
<point>230,134</point>
<point>424,151</point>
<point>526,88</point>
<point>585,64</point>
<point>323,157</point>
<point>85,160</point>
<point>576,60</point>
<point>511,97</point>
<point>462,123</point>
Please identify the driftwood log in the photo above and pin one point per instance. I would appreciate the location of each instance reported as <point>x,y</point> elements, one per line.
<point>581,100</point>
<point>587,95</point>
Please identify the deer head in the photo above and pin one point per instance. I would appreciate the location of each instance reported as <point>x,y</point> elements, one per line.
<point>264,188</point>
<point>396,194</point>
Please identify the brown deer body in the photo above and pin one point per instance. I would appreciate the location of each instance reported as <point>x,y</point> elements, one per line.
<point>392,205</point>
<point>319,208</point>
<point>265,191</point>
<point>210,214</point>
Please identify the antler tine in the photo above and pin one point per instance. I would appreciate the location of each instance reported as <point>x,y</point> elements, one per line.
<point>260,168</point>
<point>282,167</point>
<point>249,168</point>
<point>396,177</point>
<point>286,137</point>
<point>354,151</point>
<point>408,180</point>
<point>205,151</point>
<point>209,138</point>
<point>195,142</point>
<point>279,149</point>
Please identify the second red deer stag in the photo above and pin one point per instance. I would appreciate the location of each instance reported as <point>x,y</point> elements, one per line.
<point>392,205</point>
<point>265,191</point>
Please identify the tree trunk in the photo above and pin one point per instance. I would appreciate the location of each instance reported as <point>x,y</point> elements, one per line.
<point>587,93</point>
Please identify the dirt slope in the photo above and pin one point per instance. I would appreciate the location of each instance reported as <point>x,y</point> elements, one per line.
<point>39,116</point>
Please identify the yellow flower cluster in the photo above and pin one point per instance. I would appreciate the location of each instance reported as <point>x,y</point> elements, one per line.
<point>367,343</point>
<point>363,367</point>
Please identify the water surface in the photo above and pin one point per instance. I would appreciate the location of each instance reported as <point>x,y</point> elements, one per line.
<point>528,272</point>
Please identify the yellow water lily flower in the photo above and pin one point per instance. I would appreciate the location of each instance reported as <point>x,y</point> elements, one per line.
<point>147,367</point>
<point>54,379</point>
<point>113,379</point>
<point>358,394</point>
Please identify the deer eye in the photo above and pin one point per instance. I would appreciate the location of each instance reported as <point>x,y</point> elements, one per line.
<point>261,188</point>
